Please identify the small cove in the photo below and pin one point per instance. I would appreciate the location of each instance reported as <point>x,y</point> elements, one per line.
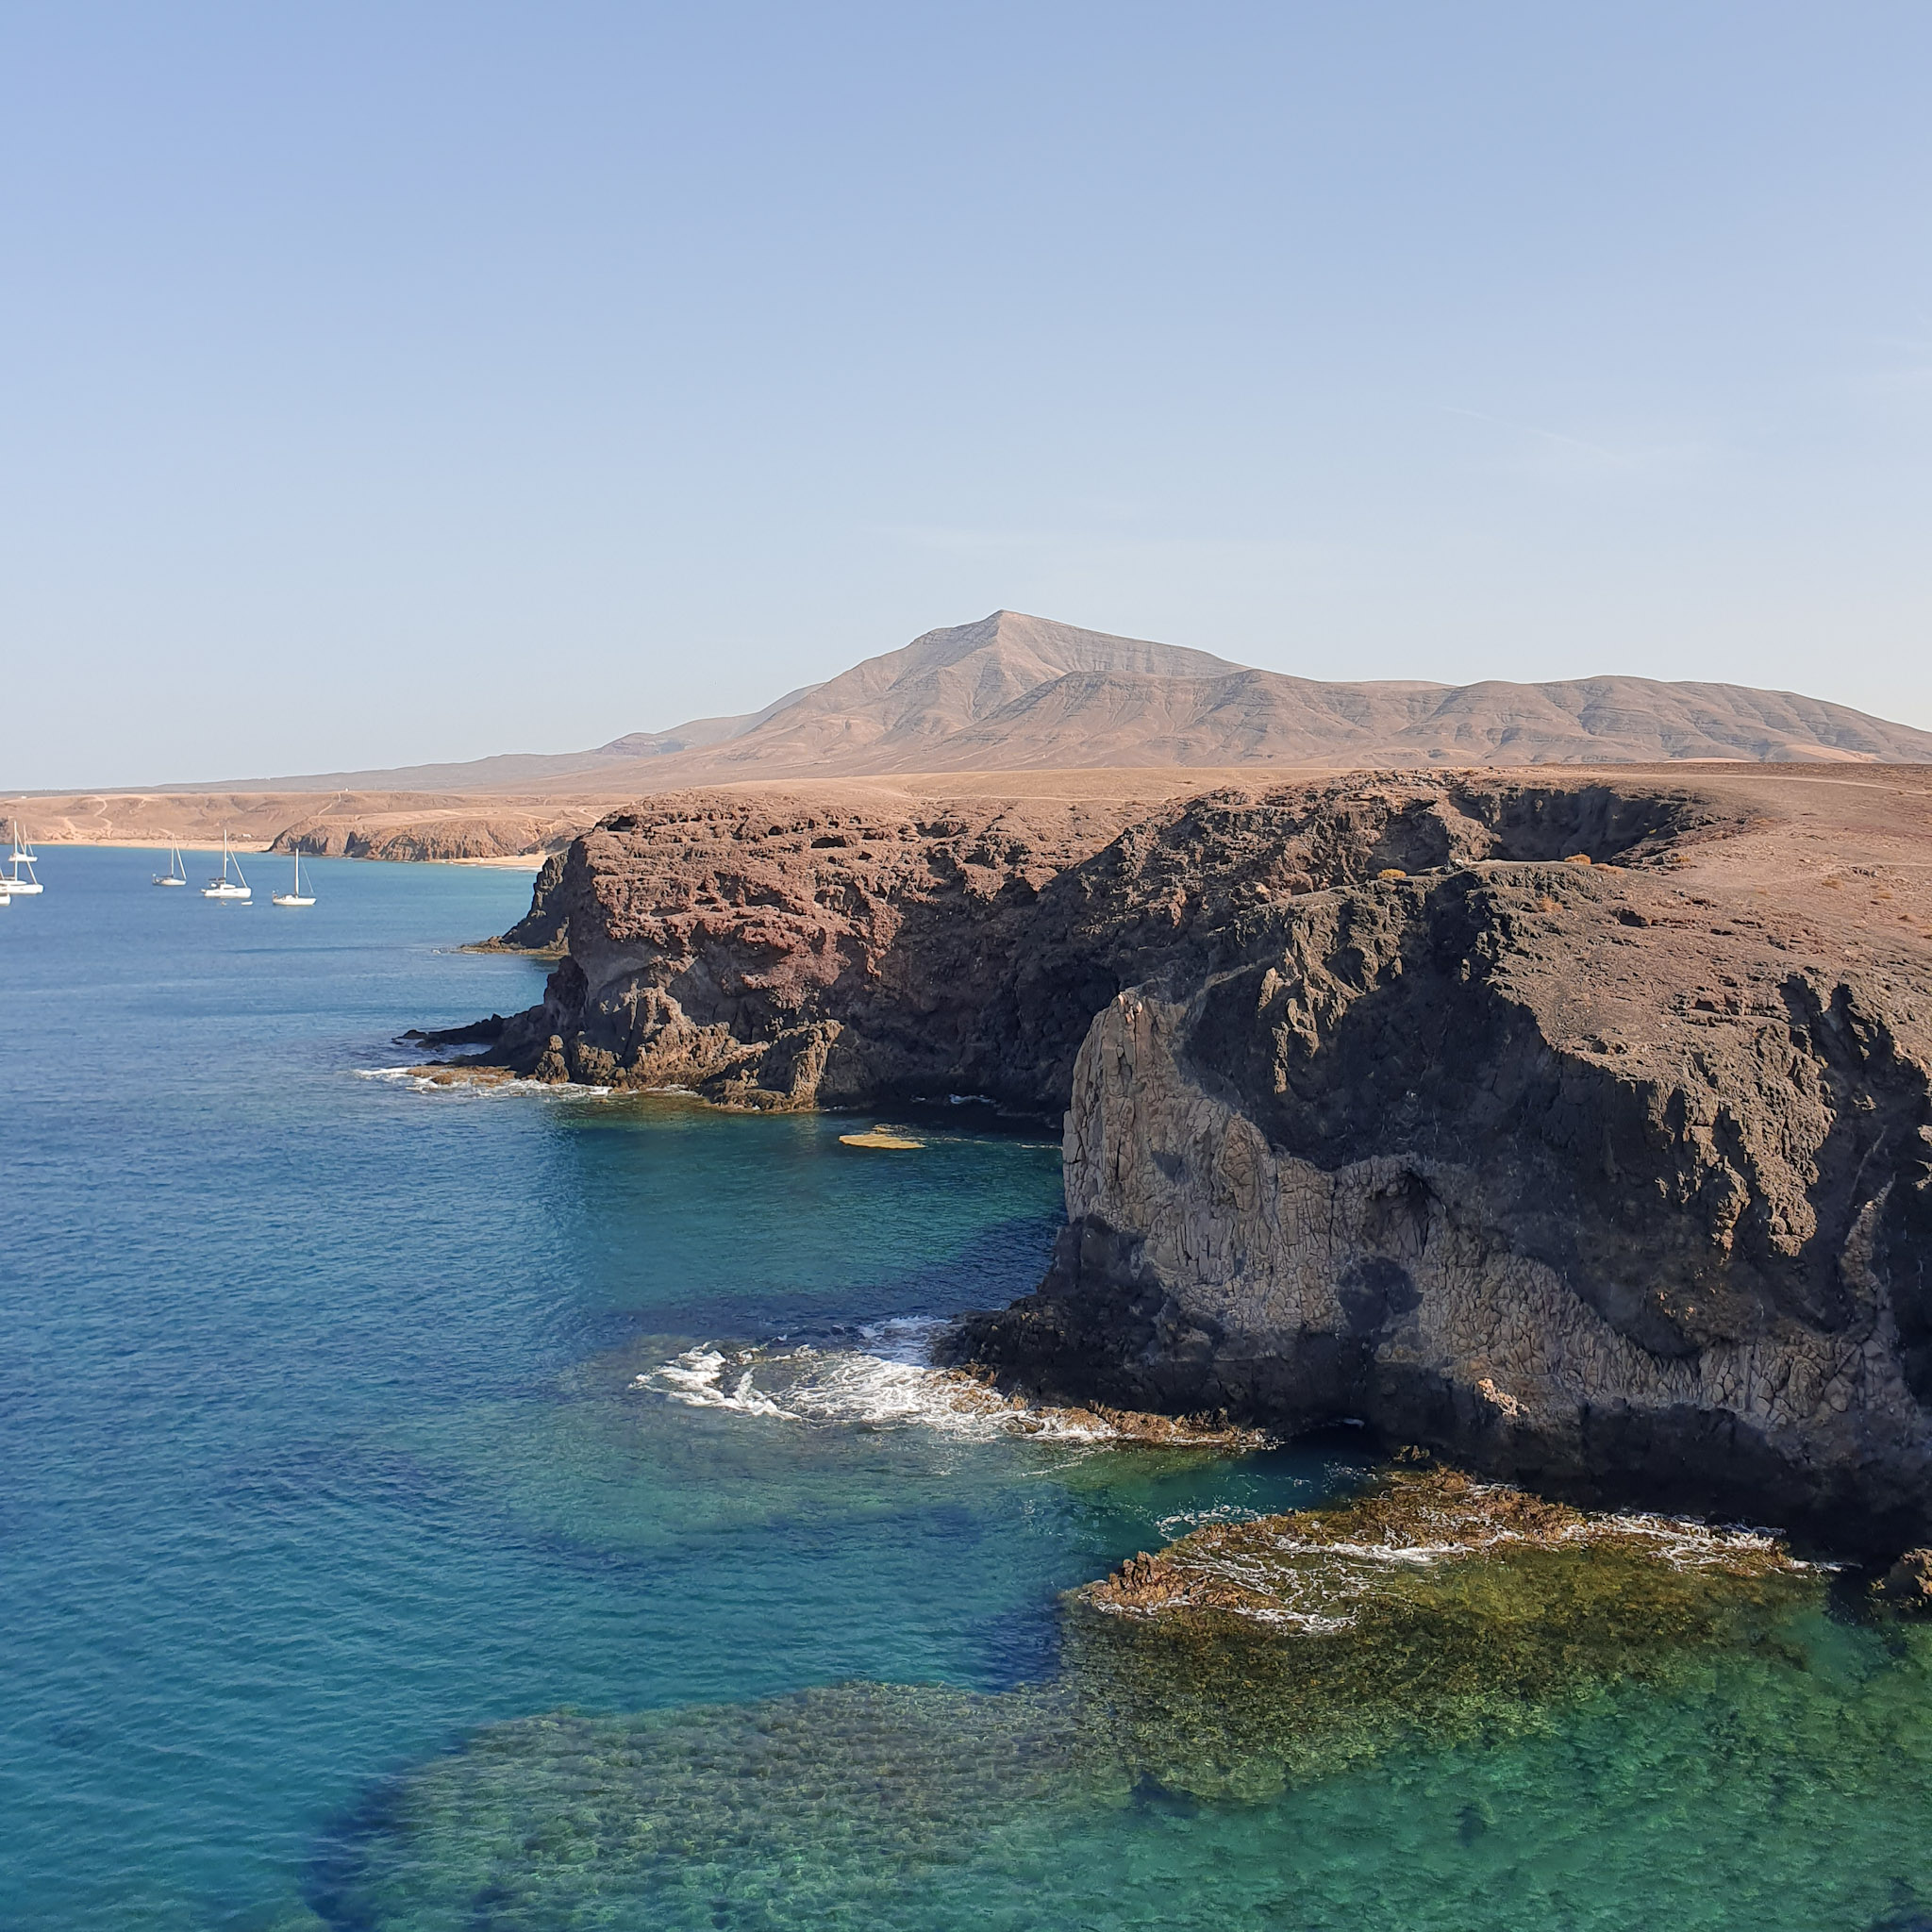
<point>340,1459</point>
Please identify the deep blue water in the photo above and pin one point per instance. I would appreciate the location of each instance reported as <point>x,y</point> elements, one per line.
<point>340,1422</point>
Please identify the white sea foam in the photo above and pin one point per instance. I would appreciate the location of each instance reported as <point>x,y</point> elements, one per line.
<point>1686,1543</point>
<point>420,1080</point>
<point>1683,1543</point>
<point>707,1378</point>
<point>889,1383</point>
<point>1183,1520</point>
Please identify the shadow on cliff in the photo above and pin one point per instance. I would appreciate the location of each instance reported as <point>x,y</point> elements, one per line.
<point>1754,1194</point>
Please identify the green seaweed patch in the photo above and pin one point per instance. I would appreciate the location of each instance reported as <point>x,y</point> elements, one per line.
<point>1246,1658</point>
<point>1432,1610</point>
<point>707,1814</point>
<point>1317,1570</point>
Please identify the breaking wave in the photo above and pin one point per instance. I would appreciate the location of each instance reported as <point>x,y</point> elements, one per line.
<point>886,1382</point>
<point>478,1082</point>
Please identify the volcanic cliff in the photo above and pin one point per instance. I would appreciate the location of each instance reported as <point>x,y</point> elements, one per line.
<point>1580,1126</point>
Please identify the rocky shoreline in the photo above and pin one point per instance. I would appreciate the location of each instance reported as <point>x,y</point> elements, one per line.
<point>1430,1615</point>
<point>1325,1570</point>
<point>1576,1125</point>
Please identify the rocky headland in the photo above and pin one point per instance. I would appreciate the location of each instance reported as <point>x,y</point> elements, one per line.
<point>1575,1124</point>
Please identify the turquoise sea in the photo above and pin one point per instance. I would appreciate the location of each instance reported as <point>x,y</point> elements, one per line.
<point>432,1510</point>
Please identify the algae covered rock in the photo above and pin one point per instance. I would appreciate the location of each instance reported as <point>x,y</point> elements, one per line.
<point>703,1814</point>
<point>1245,1661</point>
<point>1909,1582</point>
<point>1433,1611</point>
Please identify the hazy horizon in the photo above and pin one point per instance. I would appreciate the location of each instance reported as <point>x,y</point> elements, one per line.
<point>240,777</point>
<point>411,386</point>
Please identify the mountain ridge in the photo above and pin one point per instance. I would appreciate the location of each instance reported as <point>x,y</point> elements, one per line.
<point>1013,691</point>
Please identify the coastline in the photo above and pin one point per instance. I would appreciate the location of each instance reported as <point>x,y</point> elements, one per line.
<point>1262,1012</point>
<point>894,1526</point>
<point>518,861</point>
<point>57,843</point>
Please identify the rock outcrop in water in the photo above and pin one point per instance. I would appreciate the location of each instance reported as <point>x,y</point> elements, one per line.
<point>1614,1178</point>
<point>873,1792</point>
<point>1909,1582</point>
<point>1325,1570</point>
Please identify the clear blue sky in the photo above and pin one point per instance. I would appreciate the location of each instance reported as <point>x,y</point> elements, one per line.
<point>406,381</point>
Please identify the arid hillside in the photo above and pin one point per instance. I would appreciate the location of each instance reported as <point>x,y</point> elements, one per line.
<point>1006,695</point>
<point>1013,692</point>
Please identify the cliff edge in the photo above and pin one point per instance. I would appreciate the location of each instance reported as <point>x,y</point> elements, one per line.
<point>1579,1128</point>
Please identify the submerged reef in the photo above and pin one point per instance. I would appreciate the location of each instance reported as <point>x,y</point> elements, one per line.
<point>795,1803</point>
<point>1323,1570</point>
<point>1246,1661</point>
<point>1432,1609</point>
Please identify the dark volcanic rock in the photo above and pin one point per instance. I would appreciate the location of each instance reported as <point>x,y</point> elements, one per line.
<point>545,926</point>
<point>1442,1166</point>
<point>1611,1176</point>
<point>477,1033</point>
<point>775,953</point>
<point>1909,1582</point>
<point>772,953</point>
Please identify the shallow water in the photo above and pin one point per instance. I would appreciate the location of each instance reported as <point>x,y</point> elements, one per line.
<point>351,1433</point>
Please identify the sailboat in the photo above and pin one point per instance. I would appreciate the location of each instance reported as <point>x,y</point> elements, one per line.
<point>21,882</point>
<point>223,888</point>
<point>293,895</point>
<point>176,874</point>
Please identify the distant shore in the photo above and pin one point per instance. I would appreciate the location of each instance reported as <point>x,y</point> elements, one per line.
<point>516,832</point>
<point>46,843</point>
<point>517,861</point>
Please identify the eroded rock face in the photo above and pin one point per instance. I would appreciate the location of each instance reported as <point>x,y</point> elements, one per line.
<point>545,926</point>
<point>1614,1179</point>
<point>780,953</point>
<point>1481,1160</point>
<point>776,952</point>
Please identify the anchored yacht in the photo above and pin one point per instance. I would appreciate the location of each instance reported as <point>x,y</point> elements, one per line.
<point>20,882</point>
<point>226,887</point>
<point>293,895</point>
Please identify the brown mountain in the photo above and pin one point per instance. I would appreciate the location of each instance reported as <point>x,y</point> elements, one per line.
<point>1012,692</point>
